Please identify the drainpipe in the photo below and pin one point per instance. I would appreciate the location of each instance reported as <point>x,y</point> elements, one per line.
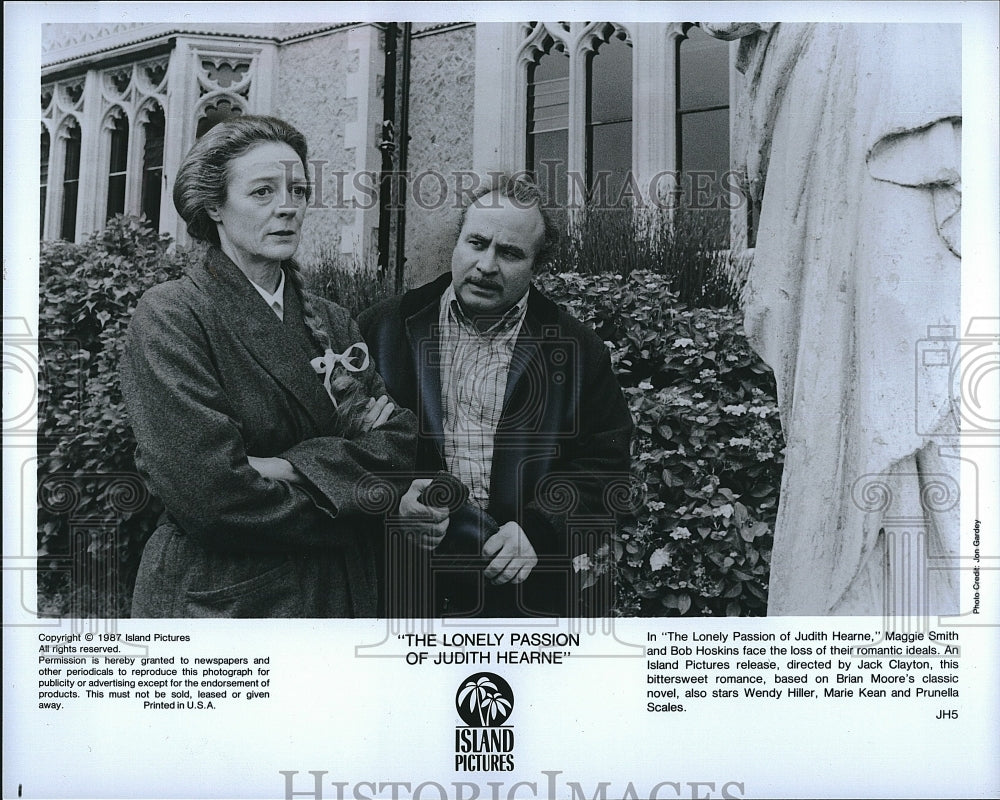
<point>403,140</point>
<point>387,146</point>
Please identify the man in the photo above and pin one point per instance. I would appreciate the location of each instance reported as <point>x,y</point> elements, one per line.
<point>518,401</point>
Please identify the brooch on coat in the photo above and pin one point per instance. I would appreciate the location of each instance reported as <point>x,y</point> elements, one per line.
<point>353,359</point>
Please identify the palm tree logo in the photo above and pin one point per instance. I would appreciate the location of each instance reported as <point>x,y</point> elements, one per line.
<point>484,700</point>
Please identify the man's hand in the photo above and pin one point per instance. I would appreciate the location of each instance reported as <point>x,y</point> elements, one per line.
<point>512,553</point>
<point>428,524</point>
<point>277,469</point>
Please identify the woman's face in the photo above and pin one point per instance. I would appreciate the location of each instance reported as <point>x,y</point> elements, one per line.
<point>266,196</point>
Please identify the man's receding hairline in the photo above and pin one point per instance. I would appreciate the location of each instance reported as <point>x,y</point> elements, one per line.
<point>511,201</point>
<point>537,206</point>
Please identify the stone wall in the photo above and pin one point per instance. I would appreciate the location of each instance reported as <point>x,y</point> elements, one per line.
<point>313,96</point>
<point>442,95</point>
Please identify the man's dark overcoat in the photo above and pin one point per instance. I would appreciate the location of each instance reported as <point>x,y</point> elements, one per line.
<point>560,463</point>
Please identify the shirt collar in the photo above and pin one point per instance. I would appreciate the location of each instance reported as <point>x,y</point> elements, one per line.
<point>276,300</point>
<point>511,319</point>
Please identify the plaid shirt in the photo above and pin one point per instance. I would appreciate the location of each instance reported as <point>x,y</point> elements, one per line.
<point>474,370</point>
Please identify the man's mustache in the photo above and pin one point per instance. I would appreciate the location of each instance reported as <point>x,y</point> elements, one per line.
<point>484,284</point>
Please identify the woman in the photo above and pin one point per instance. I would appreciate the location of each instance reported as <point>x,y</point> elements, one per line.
<point>256,425</point>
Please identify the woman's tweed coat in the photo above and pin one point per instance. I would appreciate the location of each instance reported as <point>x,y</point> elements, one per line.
<point>210,375</point>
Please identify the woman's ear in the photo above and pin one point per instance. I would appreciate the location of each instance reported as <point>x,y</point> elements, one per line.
<point>213,214</point>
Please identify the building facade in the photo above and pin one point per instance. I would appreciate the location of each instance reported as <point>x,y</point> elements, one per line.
<point>402,120</point>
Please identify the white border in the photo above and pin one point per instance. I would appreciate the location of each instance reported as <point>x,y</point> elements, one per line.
<point>344,714</point>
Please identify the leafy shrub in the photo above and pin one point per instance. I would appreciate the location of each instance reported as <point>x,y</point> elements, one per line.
<point>93,510</point>
<point>707,450</point>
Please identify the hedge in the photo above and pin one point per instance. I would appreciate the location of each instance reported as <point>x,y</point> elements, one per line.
<point>94,512</point>
<point>708,450</point>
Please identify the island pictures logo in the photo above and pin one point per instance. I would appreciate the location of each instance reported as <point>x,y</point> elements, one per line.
<point>484,702</point>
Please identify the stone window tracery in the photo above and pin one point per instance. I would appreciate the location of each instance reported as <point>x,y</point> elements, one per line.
<point>579,108</point>
<point>224,83</point>
<point>117,132</point>
<point>128,94</point>
<point>62,106</point>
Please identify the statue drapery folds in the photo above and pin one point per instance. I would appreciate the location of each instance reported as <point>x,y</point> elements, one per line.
<point>849,137</point>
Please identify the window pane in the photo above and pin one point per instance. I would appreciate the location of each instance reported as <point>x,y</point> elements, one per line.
<point>152,166</point>
<point>551,66</point>
<point>71,183</point>
<point>220,112</point>
<point>611,82</point>
<point>548,121</point>
<point>116,168</point>
<point>43,182</point>
<point>609,124</point>
<point>705,140</point>
<point>612,153</point>
<point>119,145</point>
<point>116,195</point>
<point>703,70</point>
<point>548,161</point>
<point>705,151</point>
<point>548,94</point>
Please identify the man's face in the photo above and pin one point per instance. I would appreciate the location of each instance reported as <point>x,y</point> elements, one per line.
<point>494,257</point>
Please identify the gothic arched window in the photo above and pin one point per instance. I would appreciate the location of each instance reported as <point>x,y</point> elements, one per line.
<point>609,117</point>
<point>152,165</point>
<point>43,181</point>
<point>548,122</point>
<point>579,109</point>
<point>117,166</point>
<point>71,182</point>
<point>702,118</point>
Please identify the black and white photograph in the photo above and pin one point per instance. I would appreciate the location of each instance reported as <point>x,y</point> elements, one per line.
<point>379,393</point>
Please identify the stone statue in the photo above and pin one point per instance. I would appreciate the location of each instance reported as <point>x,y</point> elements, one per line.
<point>849,136</point>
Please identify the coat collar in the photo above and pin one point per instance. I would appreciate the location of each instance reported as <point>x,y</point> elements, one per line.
<point>277,346</point>
<point>420,321</point>
<point>419,310</point>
